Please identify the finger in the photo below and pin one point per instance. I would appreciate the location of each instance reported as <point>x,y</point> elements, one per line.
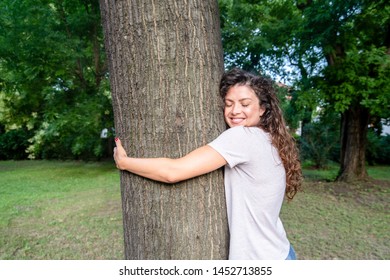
<point>120,151</point>
<point>118,142</point>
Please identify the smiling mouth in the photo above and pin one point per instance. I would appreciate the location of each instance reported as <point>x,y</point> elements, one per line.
<point>236,120</point>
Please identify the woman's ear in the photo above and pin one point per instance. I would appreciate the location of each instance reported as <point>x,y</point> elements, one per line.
<point>262,111</point>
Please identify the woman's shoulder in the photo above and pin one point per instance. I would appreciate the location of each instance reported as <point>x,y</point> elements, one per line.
<point>236,131</point>
<point>244,134</point>
<point>244,130</point>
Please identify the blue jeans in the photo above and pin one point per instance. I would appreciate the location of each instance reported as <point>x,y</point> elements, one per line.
<point>291,254</point>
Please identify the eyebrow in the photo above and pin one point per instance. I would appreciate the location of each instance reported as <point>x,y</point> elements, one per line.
<point>239,99</point>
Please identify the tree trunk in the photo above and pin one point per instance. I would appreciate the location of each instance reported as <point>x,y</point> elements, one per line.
<point>165,65</point>
<point>353,143</point>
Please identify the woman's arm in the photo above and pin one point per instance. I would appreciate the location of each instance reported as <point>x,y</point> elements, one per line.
<point>200,161</point>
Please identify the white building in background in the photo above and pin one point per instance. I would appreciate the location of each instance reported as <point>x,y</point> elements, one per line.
<point>104,133</point>
<point>385,130</point>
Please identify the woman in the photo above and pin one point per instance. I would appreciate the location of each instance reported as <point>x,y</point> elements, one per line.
<point>261,166</point>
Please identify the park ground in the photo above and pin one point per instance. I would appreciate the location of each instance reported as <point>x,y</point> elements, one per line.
<point>72,210</point>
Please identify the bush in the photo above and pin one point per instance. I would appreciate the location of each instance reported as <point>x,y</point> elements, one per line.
<point>67,140</point>
<point>14,143</point>
<point>319,143</point>
<point>378,148</point>
<point>73,131</point>
<point>320,140</point>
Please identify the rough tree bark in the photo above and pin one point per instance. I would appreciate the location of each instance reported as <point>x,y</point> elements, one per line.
<point>354,128</point>
<point>165,62</point>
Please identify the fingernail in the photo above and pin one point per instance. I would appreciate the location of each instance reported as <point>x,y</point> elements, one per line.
<point>116,139</point>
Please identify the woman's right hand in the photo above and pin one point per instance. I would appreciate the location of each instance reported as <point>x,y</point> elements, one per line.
<point>119,154</point>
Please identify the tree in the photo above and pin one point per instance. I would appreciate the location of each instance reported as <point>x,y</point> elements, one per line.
<point>338,57</point>
<point>165,62</point>
<point>355,40</point>
<point>54,81</point>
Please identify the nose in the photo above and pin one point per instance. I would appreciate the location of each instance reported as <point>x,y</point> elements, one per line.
<point>236,109</point>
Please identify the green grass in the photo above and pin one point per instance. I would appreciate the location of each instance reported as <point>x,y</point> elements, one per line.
<point>72,210</point>
<point>379,172</point>
<point>59,210</point>
<point>330,172</point>
<point>334,220</point>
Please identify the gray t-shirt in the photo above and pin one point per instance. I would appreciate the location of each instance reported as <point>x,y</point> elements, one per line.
<point>255,183</point>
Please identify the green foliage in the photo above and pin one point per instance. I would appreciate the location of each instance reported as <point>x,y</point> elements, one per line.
<point>256,34</point>
<point>334,49</point>
<point>73,132</point>
<point>320,140</point>
<point>319,143</point>
<point>54,77</point>
<point>332,53</point>
<point>287,100</point>
<point>14,143</point>
<point>378,148</point>
<point>361,75</point>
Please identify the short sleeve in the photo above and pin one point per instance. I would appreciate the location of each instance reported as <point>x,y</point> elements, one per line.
<point>231,145</point>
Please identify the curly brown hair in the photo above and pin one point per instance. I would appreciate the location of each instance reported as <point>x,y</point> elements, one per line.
<point>272,121</point>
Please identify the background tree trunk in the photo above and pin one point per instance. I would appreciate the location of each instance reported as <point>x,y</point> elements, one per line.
<point>165,62</point>
<point>354,127</point>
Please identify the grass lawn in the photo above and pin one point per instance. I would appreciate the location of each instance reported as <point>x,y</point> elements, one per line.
<point>72,210</point>
<point>60,210</point>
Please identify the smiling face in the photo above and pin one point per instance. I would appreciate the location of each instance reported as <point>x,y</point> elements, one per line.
<point>242,107</point>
